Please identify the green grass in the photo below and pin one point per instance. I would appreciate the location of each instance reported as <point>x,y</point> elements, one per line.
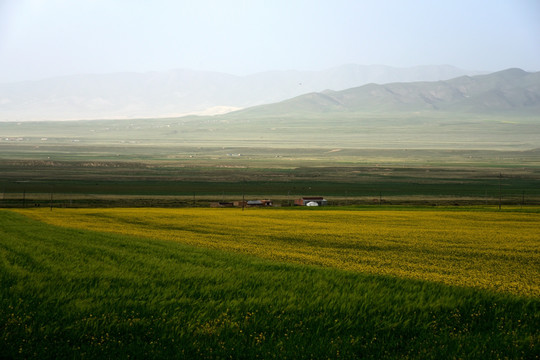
<point>371,130</point>
<point>79,294</point>
<point>217,177</point>
<point>218,157</point>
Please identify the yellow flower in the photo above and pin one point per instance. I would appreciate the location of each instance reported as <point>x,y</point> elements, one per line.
<point>482,249</point>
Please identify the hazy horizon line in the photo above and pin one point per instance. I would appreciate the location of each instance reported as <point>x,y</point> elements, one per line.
<point>201,70</point>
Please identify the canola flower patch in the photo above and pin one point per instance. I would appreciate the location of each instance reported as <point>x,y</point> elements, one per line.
<point>69,292</point>
<point>498,251</point>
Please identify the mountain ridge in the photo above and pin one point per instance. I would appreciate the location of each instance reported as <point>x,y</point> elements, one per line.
<point>181,92</point>
<point>507,90</point>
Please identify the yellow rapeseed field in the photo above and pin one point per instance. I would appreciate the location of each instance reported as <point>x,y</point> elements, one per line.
<point>498,251</point>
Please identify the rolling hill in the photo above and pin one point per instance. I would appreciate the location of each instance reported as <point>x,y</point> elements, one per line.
<point>510,91</point>
<point>498,111</point>
<point>181,92</point>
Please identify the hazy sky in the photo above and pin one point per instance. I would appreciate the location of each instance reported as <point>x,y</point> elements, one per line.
<point>44,38</point>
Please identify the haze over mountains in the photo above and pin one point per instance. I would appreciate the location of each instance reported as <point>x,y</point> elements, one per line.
<point>511,91</point>
<point>494,111</point>
<point>181,92</point>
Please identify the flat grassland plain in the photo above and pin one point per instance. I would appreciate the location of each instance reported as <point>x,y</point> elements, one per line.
<point>360,158</point>
<point>270,283</point>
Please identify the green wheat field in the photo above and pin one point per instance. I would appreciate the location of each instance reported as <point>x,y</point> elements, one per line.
<point>269,284</point>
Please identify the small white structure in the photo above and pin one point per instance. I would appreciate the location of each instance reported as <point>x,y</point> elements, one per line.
<point>312,203</point>
<point>319,201</point>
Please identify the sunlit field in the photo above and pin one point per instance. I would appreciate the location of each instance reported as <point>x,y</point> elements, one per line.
<point>483,249</point>
<point>269,284</point>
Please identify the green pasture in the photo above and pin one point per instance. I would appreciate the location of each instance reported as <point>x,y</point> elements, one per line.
<point>79,294</point>
<point>229,177</point>
<point>356,130</point>
<point>348,156</point>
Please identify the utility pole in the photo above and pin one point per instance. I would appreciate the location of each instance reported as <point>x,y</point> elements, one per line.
<point>500,196</point>
<point>243,193</point>
<point>289,197</point>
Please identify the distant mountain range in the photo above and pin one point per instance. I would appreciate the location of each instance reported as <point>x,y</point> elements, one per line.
<point>512,91</point>
<point>181,92</point>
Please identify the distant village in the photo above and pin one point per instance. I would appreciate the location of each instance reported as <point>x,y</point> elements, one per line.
<point>304,201</point>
